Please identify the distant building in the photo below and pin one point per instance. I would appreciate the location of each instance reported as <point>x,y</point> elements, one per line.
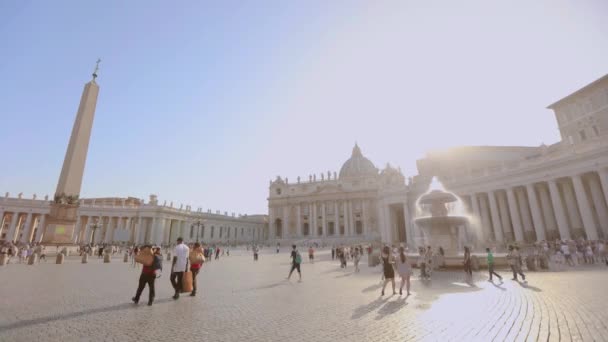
<point>513,193</point>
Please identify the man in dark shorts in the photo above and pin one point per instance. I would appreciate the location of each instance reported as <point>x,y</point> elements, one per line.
<point>296,260</point>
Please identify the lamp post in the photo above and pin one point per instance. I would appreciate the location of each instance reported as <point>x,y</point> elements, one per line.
<point>94,227</point>
<point>198,225</point>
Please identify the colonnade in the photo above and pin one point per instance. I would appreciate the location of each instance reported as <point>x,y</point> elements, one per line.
<point>320,219</point>
<point>567,207</point>
<point>21,226</point>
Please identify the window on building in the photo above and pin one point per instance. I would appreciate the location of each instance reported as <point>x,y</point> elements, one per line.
<point>582,135</point>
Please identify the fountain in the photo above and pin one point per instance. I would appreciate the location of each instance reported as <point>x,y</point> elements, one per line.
<point>440,225</point>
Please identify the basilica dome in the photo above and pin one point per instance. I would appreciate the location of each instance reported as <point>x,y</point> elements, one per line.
<point>358,166</point>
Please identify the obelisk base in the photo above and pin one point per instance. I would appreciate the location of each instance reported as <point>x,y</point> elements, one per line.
<point>61,224</point>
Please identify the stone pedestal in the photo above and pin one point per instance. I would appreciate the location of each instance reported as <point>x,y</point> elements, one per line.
<point>59,259</point>
<point>3,259</point>
<point>85,258</point>
<point>32,259</point>
<point>107,258</point>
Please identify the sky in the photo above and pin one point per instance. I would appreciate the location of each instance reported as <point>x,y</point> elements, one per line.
<point>203,103</point>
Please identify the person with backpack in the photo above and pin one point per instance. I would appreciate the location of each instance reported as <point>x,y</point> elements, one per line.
<point>197,258</point>
<point>149,274</point>
<point>296,261</point>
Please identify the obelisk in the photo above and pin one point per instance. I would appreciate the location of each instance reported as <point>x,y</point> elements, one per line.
<point>62,218</point>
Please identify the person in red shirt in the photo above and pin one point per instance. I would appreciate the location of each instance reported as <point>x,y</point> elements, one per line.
<point>148,275</point>
<point>197,258</point>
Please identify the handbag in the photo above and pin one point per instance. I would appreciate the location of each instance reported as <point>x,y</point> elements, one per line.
<point>145,257</point>
<point>187,280</point>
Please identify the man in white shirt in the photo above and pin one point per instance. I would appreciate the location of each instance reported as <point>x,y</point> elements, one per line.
<point>180,261</point>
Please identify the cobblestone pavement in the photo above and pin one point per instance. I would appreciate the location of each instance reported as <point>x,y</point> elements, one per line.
<point>245,301</point>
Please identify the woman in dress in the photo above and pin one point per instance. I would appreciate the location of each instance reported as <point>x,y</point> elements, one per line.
<point>405,270</point>
<point>387,268</point>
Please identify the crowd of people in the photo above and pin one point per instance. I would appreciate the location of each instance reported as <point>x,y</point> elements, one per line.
<point>22,251</point>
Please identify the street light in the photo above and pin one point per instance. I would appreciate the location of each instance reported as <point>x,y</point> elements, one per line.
<point>198,226</point>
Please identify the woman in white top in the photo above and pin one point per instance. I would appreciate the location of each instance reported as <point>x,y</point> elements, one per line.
<point>404,269</point>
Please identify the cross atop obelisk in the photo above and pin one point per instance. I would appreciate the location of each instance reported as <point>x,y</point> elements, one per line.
<point>96,69</point>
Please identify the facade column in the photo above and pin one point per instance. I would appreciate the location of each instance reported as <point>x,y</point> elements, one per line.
<point>345,217</point>
<point>271,227</point>
<point>537,217</point>
<point>336,218</point>
<point>548,212</point>
<point>160,230</point>
<point>13,227</point>
<point>576,223</point>
<point>498,236</point>
<point>1,221</point>
<point>558,209</point>
<point>515,219</point>
<point>364,220</point>
<point>109,232</point>
<point>486,221</point>
<point>26,231</point>
<point>286,232</point>
<point>599,204</point>
<point>41,227</point>
<point>524,210</point>
<point>477,213</point>
<point>324,215</point>
<point>351,218</point>
<point>586,214</point>
<point>408,226</point>
<point>603,174</point>
<point>299,220</point>
<point>77,229</point>
<point>505,218</point>
<point>388,226</point>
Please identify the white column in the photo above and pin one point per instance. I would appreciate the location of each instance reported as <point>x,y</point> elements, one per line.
<point>495,217</point>
<point>599,203</point>
<point>547,209</point>
<point>560,214</point>
<point>314,231</point>
<point>585,209</point>
<point>364,209</point>
<point>87,228</point>
<point>505,218</point>
<point>388,226</point>
<point>271,227</point>
<point>477,213</point>
<point>286,232</point>
<point>13,227</point>
<point>345,218</point>
<point>26,231</point>
<point>336,218</point>
<point>515,219</point>
<point>41,227</point>
<point>324,217</point>
<point>109,232</point>
<point>575,218</point>
<point>1,220</point>
<point>351,218</point>
<point>603,174</point>
<point>77,228</point>
<point>537,217</point>
<point>160,230</point>
<point>486,222</point>
<point>299,220</point>
<point>524,210</point>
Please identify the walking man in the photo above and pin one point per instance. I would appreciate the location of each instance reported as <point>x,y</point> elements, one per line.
<point>180,261</point>
<point>515,263</point>
<point>491,265</point>
<point>296,260</point>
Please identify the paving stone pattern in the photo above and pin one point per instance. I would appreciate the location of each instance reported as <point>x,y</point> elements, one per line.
<point>242,300</point>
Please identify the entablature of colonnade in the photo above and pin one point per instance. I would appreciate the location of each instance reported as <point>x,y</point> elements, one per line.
<point>552,169</point>
<point>322,197</point>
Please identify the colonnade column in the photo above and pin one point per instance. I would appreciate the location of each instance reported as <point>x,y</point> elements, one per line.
<point>314,228</point>
<point>505,218</point>
<point>486,221</point>
<point>575,218</point>
<point>364,206</point>
<point>585,209</point>
<point>599,203</point>
<point>498,236</point>
<point>558,209</point>
<point>41,227</point>
<point>515,218</point>
<point>12,228</point>
<point>345,216</point>
<point>537,218</point>
<point>324,215</point>
<point>299,220</point>
<point>336,218</point>
<point>408,226</point>
<point>477,214</point>
<point>286,232</point>
<point>77,228</point>
<point>26,231</point>
<point>548,212</point>
<point>351,220</point>
<point>603,175</point>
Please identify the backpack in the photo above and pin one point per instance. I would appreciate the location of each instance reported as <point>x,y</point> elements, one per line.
<point>298,258</point>
<point>157,264</point>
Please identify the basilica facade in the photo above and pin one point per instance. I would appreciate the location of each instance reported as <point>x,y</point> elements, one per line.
<point>510,193</point>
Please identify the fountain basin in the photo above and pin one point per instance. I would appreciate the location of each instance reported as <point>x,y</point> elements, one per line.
<point>441,221</point>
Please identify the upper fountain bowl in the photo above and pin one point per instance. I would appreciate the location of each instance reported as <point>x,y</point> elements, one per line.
<point>437,197</point>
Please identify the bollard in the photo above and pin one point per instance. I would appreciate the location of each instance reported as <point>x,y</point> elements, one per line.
<point>106,258</point>
<point>3,259</point>
<point>85,258</point>
<point>169,256</point>
<point>32,259</point>
<point>126,258</point>
<point>59,259</point>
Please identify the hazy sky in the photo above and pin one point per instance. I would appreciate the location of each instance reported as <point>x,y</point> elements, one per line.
<point>205,102</point>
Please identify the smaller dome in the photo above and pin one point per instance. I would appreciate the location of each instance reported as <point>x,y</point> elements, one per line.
<point>358,166</point>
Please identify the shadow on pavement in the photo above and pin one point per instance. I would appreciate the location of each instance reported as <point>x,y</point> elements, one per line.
<point>372,288</point>
<point>367,308</point>
<point>391,307</point>
<point>529,287</point>
<point>67,316</point>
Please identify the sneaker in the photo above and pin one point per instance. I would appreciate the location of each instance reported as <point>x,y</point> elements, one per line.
<point>175,296</point>
<point>193,294</point>
<point>135,300</point>
<point>150,303</point>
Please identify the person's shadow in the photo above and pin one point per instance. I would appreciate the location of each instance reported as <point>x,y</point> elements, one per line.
<point>391,307</point>
<point>498,286</point>
<point>367,308</point>
<point>529,287</point>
